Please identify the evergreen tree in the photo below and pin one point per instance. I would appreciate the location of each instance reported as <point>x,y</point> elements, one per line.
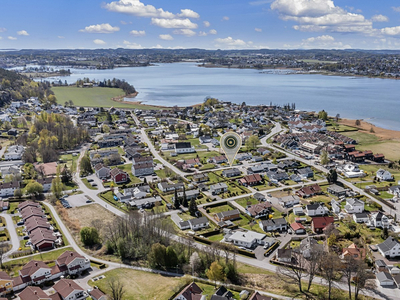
<point>192,207</point>
<point>184,199</point>
<point>177,204</point>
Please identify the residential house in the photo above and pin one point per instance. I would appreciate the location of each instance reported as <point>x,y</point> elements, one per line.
<point>336,190</point>
<point>167,187</point>
<point>191,194</point>
<point>259,210</point>
<point>222,294</point>
<point>318,224</point>
<point>110,143</point>
<point>309,191</point>
<point>184,147</point>
<point>379,220</point>
<point>248,239</point>
<point>218,159</point>
<point>258,296</point>
<point>384,175</point>
<point>142,169</point>
<point>198,223</point>
<point>72,262</point>
<point>336,208</point>
<point>250,180</point>
<point>276,177</point>
<point>34,293</point>
<point>354,252</point>
<point>7,189</point>
<point>102,172</point>
<point>6,283</point>
<point>34,272</point>
<point>259,197</point>
<point>354,206</point>
<point>205,139</point>
<point>190,292</point>
<point>68,289</point>
<point>389,248</point>
<point>142,159</point>
<point>305,173</point>
<point>218,188</point>
<point>298,228</point>
<point>255,169</point>
<point>316,209</point>
<point>243,156</point>
<point>263,151</point>
<point>279,224</point>
<point>14,152</point>
<point>46,183</point>
<point>289,201</point>
<point>190,163</point>
<point>202,177</point>
<point>96,294</point>
<point>227,215</point>
<point>46,169</point>
<point>298,210</point>
<point>42,239</point>
<point>36,222</point>
<point>284,255</point>
<point>119,176</point>
<point>4,205</point>
<point>231,173</point>
<point>361,217</point>
<point>308,246</point>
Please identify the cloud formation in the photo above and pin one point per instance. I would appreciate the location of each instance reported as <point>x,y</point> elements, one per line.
<point>393,31</point>
<point>185,32</point>
<point>12,38</point>
<point>2,29</point>
<point>100,28</point>
<point>258,29</point>
<point>206,24</point>
<point>322,42</point>
<point>22,32</point>
<point>130,45</point>
<point>321,15</point>
<point>99,42</point>
<point>229,42</point>
<point>212,31</point>
<point>138,32</point>
<point>225,18</point>
<point>379,18</point>
<point>166,37</point>
<point>174,23</point>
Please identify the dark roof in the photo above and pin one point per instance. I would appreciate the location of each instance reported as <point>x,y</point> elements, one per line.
<point>388,244</point>
<point>197,221</point>
<point>382,276</point>
<point>272,222</point>
<point>183,145</point>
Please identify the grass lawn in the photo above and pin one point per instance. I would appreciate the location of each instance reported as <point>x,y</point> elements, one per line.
<point>244,201</point>
<point>213,178</point>
<point>13,207</point>
<point>50,256</point>
<point>109,198</point>
<point>207,167</point>
<point>216,237</point>
<point>368,141</point>
<point>141,285</point>
<point>88,185</point>
<point>341,128</point>
<point>94,97</point>
<point>70,160</point>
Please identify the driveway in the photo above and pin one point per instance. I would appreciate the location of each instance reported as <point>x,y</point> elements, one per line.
<point>77,200</point>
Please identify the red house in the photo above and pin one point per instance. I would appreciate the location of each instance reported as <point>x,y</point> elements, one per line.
<point>119,176</point>
<point>252,179</point>
<point>319,223</point>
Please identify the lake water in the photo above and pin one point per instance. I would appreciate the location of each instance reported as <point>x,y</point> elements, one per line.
<point>182,84</point>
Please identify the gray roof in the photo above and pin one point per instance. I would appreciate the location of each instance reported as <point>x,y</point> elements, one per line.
<point>361,215</point>
<point>383,276</point>
<point>380,263</point>
<point>388,244</point>
<point>220,185</point>
<point>233,171</point>
<point>353,201</point>
<point>228,213</point>
<point>272,222</point>
<point>259,196</point>
<point>198,221</point>
<point>336,188</point>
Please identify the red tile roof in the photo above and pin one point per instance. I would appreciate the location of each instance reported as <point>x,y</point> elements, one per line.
<point>67,257</point>
<point>321,222</point>
<point>66,286</point>
<point>33,293</point>
<point>31,267</point>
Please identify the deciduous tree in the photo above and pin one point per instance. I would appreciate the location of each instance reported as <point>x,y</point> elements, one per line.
<point>215,272</point>
<point>89,236</point>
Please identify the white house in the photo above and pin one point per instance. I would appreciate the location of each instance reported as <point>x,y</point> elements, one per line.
<point>390,247</point>
<point>354,206</point>
<point>73,262</point>
<point>360,217</point>
<point>289,201</point>
<point>384,175</point>
<point>317,209</point>
<point>385,279</point>
<point>379,220</point>
<point>247,239</point>
<point>14,152</point>
<point>335,206</point>
<point>68,289</point>
<point>184,147</point>
<point>279,224</point>
<point>7,189</point>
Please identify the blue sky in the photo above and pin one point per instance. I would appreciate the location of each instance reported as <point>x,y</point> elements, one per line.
<point>208,24</point>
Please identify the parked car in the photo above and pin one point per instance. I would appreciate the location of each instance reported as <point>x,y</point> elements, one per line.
<point>90,180</point>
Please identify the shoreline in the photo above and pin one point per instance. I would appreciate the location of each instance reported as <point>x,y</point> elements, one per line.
<point>365,127</point>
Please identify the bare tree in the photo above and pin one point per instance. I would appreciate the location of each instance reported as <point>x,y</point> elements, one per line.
<point>313,265</point>
<point>362,278</point>
<point>348,270</point>
<point>117,289</point>
<point>294,272</point>
<point>3,250</point>
<point>330,266</point>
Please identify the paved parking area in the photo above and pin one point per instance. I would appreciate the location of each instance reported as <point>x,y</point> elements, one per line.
<point>77,200</point>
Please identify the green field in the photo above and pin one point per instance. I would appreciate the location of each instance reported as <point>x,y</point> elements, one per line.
<point>94,97</point>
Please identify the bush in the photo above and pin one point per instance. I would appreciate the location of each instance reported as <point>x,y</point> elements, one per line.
<point>89,236</point>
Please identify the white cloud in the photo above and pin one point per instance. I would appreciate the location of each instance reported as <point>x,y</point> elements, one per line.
<point>320,42</point>
<point>320,15</point>
<point>99,42</point>
<point>174,23</point>
<point>225,18</point>
<point>379,18</point>
<point>138,32</point>
<point>188,13</point>
<point>185,32</point>
<point>1,38</point>
<point>61,37</point>
<point>212,31</point>
<point>137,8</point>
<point>12,38</point>
<point>2,29</point>
<point>158,46</point>
<point>258,29</point>
<point>130,45</point>
<point>126,23</point>
<point>391,30</point>
<point>229,42</point>
<point>166,37</point>
<point>206,24</point>
<point>22,32</point>
<point>100,28</point>
<point>396,9</point>
<point>202,33</point>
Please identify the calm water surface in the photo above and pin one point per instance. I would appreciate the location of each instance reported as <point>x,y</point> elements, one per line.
<point>182,84</point>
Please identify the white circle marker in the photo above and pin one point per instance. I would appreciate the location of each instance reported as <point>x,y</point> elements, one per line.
<point>231,143</point>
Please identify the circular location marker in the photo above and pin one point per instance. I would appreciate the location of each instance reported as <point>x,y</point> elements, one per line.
<point>231,143</point>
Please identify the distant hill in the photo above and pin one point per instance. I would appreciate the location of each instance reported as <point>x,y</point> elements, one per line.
<point>14,86</point>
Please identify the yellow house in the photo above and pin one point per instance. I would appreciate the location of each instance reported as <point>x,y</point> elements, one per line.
<point>6,284</point>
